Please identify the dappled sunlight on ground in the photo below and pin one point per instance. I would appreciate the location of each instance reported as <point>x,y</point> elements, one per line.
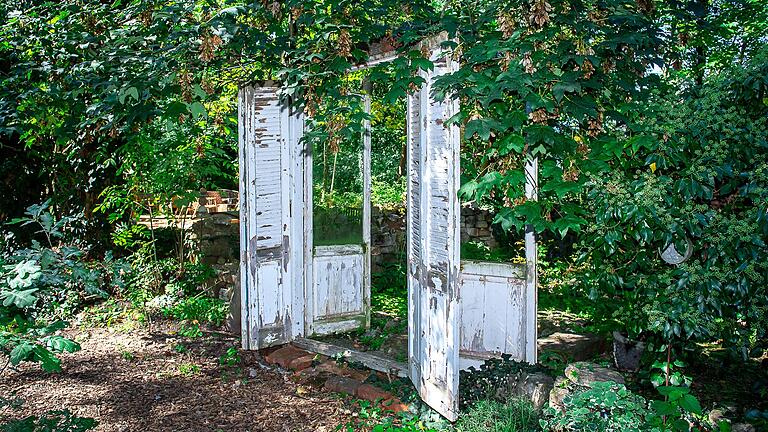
<point>141,381</point>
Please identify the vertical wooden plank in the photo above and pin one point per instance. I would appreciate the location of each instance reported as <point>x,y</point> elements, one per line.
<point>367,88</point>
<point>531,258</point>
<point>244,95</point>
<point>309,278</point>
<point>295,266</point>
<point>413,237</point>
<point>516,313</point>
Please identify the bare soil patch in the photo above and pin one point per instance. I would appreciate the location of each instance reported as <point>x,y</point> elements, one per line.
<point>143,381</point>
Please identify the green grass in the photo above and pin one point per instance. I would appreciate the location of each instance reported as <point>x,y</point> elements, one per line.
<point>515,415</point>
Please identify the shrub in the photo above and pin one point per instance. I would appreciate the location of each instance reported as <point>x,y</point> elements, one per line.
<point>44,283</point>
<point>199,309</point>
<point>606,407</point>
<point>488,382</point>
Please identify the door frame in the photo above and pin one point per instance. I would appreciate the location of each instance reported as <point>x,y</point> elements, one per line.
<point>310,328</point>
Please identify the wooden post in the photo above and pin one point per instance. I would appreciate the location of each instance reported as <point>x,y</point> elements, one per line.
<point>367,90</point>
<point>531,259</point>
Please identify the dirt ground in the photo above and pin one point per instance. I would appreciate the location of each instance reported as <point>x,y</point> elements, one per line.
<point>143,381</point>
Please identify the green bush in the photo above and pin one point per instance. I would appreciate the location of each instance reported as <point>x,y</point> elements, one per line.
<point>46,282</point>
<point>606,407</point>
<point>389,289</point>
<point>486,383</point>
<point>611,407</point>
<point>51,421</point>
<point>198,309</point>
<point>702,178</point>
<point>165,276</point>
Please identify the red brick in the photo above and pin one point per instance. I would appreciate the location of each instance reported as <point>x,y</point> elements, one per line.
<point>330,367</point>
<point>373,393</point>
<point>301,363</point>
<point>338,384</point>
<point>285,355</point>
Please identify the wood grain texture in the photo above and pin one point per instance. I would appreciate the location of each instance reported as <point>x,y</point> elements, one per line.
<point>531,261</point>
<point>268,136</point>
<point>371,361</point>
<point>493,310</point>
<point>433,240</point>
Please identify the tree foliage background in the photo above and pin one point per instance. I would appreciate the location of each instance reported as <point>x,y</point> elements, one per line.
<point>648,119</point>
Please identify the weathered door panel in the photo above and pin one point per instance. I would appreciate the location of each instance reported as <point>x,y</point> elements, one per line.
<point>268,136</point>
<point>433,241</point>
<point>339,301</point>
<point>493,311</point>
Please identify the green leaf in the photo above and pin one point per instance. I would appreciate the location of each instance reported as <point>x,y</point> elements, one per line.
<point>640,141</point>
<point>681,425</point>
<point>130,91</point>
<point>559,89</point>
<point>60,344</point>
<point>510,143</point>
<point>689,403</point>
<point>21,352</point>
<point>663,408</point>
<point>20,299</point>
<point>468,190</point>
<point>482,127</point>
<point>47,360</point>
<point>569,222</point>
<point>198,110</point>
<point>26,273</point>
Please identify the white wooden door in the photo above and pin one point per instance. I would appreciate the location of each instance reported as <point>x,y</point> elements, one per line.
<point>433,242</point>
<point>271,229</point>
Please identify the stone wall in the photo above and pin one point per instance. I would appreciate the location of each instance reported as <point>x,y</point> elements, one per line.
<point>476,226</point>
<point>215,235</point>
<point>388,238</point>
<point>216,241</point>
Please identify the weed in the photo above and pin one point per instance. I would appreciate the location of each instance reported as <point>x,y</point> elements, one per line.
<point>198,309</point>
<point>52,421</point>
<point>479,251</point>
<point>127,355</point>
<point>190,330</point>
<point>230,358</point>
<point>375,419</point>
<point>189,369</point>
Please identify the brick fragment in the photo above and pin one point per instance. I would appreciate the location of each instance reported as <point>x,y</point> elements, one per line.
<point>301,363</point>
<point>373,393</point>
<point>285,355</point>
<point>339,384</point>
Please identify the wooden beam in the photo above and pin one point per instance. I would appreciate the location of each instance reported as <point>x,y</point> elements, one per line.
<point>368,89</point>
<point>371,361</point>
<point>531,260</point>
